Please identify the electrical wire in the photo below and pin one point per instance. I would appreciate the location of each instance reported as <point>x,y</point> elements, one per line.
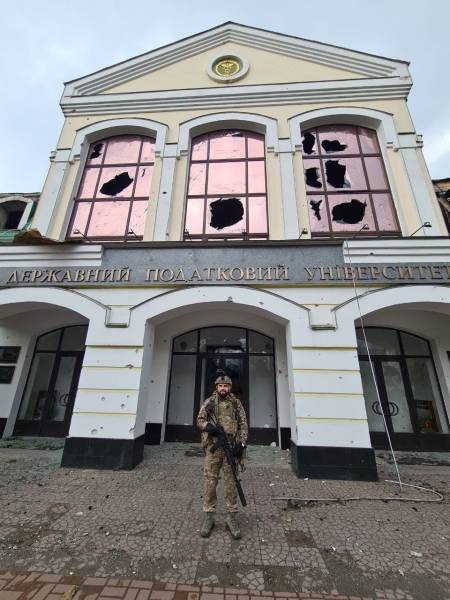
<point>399,481</point>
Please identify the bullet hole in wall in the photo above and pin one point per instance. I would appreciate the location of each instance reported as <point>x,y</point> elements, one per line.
<point>333,146</point>
<point>315,205</point>
<point>308,143</point>
<point>336,174</point>
<point>96,151</point>
<point>226,212</point>
<point>312,177</point>
<point>116,185</point>
<point>349,212</point>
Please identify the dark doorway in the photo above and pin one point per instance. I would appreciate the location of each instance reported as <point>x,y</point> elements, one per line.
<point>409,391</point>
<point>199,356</point>
<point>52,383</point>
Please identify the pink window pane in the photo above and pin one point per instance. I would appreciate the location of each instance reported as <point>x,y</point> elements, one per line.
<point>255,145</point>
<point>338,139</point>
<point>344,173</point>
<point>349,212</point>
<point>87,187</point>
<point>197,179</point>
<point>256,177</point>
<point>375,173</point>
<point>257,215</point>
<point>194,215</point>
<point>313,175</point>
<point>199,147</point>
<point>318,217</point>
<point>116,181</point>
<point>137,218</point>
<point>81,214</point>
<point>109,219</point>
<point>385,211</point>
<point>143,181</point>
<point>226,178</point>
<point>369,141</point>
<point>123,149</point>
<point>227,144</point>
<point>226,215</point>
<point>96,152</point>
<point>148,151</point>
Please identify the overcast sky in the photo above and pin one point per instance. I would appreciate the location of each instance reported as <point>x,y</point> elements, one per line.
<point>47,42</point>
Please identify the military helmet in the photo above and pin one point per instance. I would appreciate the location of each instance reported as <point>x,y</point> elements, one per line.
<point>223,379</point>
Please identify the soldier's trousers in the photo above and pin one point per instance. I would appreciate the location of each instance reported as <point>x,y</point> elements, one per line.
<point>214,461</point>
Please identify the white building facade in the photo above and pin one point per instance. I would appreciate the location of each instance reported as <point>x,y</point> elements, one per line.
<point>244,202</point>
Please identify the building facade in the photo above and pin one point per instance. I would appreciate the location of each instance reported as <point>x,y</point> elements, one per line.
<point>240,201</point>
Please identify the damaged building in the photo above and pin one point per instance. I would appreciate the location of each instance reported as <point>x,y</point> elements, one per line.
<point>241,202</point>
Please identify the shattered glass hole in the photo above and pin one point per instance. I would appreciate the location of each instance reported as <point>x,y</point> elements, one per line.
<point>318,217</point>
<point>226,213</point>
<point>115,181</point>
<point>338,138</point>
<point>308,143</point>
<point>350,212</point>
<point>96,152</point>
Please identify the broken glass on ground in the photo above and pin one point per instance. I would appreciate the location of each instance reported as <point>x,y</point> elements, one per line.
<point>117,184</point>
<point>226,212</point>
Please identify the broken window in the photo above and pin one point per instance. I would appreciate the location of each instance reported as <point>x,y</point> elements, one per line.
<point>112,199</point>
<point>346,182</point>
<point>227,187</point>
<point>11,213</point>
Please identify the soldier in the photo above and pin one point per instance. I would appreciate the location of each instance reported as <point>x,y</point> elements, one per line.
<point>226,410</point>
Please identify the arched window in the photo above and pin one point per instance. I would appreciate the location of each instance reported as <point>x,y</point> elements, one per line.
<point>226,196</point>
<point>346,182</point>
<point>112,199</point>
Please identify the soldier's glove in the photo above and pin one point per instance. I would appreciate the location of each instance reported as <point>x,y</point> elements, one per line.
<point>213,429</point>
<point>238,449</point>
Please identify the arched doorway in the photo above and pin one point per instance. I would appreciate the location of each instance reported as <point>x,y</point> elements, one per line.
<point>198,356</point>
<point>52,382</point>
<point>408,386</point>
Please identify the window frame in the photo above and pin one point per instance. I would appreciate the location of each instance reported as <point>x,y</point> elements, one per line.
<point>127,237</point>
<point>320,155</point>
<point>245,235</point>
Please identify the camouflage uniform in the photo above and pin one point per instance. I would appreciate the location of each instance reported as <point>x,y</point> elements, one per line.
<point>229,413</point>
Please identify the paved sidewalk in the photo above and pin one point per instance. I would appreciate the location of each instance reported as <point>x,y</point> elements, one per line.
<point>144,524</point>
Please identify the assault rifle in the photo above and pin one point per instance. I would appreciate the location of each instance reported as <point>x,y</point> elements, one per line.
<point>224,443</point>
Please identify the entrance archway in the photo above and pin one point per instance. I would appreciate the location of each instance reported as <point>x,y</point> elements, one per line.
<point>199,356</point>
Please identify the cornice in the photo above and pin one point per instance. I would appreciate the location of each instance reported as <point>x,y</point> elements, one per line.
<point>364,64</point>
<point>239,96</point>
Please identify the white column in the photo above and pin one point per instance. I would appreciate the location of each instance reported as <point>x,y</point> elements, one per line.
<point>290,213</point>
<point>421,186</point>
<point>165,192</point>
<point>52,191</point>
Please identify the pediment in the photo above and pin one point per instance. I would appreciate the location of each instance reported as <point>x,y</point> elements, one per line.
<point>272,57</point>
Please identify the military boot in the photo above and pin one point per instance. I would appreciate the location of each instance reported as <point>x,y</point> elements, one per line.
<point>208,525</point>
<point>232,526</point>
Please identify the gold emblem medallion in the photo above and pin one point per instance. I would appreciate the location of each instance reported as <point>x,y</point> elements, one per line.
<point>227,67</point>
